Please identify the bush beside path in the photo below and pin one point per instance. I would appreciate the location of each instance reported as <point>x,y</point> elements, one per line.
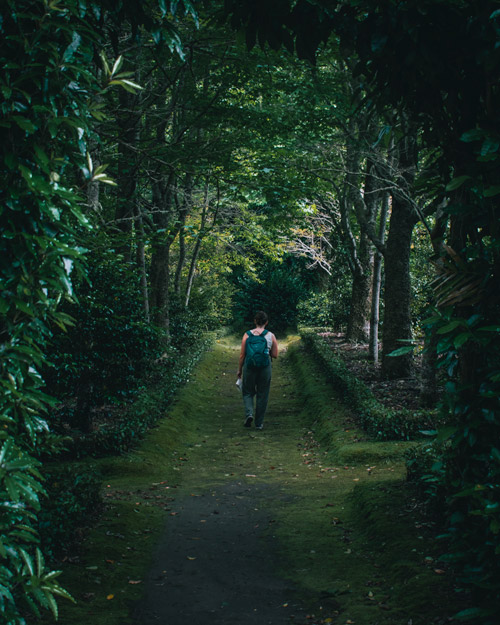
<point>308,521</point>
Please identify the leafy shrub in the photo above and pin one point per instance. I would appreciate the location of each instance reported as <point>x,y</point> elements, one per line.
<point>376,419</point>
<point>277,291</point>
<point>188,326</point>
<point>211,299</point>
<point>107,352</point>
<point>25,583</point>
<point>73,495</point>
<point>121,434</point>
<point>316,310</point>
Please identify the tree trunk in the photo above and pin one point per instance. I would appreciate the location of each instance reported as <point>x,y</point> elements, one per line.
<point>183,213</point>
<point>358,325</point>
<point>182,256</point>
<point>160,260</point>
<point>377,283</point>
<point>128,121</point>
<point>360,249</point>
<point>141,261</point>
<point>93,186</point>
<point>429,388</point>
<point>196,251</point>
<point>397,317</point>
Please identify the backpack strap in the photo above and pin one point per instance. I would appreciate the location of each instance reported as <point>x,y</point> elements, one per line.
<point>263,333</point>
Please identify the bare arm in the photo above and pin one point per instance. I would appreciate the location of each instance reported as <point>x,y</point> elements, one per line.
<point>274,348</point>
<point>242,354</point>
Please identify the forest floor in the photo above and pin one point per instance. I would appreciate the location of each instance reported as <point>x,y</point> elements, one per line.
<point>306,522</point>
<point>395,394</point>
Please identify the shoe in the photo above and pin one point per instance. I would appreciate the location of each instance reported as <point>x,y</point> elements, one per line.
<point>259,427</point>
<point>248,421</point>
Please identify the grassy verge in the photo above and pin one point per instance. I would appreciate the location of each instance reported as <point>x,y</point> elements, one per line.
<point>105,573</point>
<point>379,421</point>
<point>354,538</point>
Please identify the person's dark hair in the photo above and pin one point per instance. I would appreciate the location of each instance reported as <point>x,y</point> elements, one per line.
<point>260,318</point>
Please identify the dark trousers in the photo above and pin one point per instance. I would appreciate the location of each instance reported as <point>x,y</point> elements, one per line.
<point>256,382</point>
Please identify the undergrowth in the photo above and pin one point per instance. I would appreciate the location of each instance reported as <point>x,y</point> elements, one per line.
<point>73,499</point>
<point>378,420</point>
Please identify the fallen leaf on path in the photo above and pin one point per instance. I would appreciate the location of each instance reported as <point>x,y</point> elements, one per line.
<point>109,597</point>
<point>250,475</point>
<point>191,558</point>
<point>135,581</point>
<point>439,571</point>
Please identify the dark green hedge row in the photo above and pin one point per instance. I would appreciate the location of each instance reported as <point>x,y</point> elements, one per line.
<point>376,419</point>
<point>73,488</point>
<point>120,435</point>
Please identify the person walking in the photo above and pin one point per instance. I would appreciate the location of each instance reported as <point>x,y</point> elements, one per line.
<point>258,347</point>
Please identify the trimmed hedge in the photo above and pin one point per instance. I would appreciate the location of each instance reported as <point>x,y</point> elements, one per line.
<point>375,418</point>
<point>120,435</point>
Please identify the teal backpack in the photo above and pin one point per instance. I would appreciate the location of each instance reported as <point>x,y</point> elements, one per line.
<point>257,350</point>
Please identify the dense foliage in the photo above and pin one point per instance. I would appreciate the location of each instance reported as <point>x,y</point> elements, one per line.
<point>160,181</point>
<point>45,87</point>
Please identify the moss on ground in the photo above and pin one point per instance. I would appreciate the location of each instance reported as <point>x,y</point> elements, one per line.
<point>344,524</point>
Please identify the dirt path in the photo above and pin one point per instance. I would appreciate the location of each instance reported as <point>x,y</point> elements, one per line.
<point>216,562</point>
<point>304,522</point>
<point>214,565</point>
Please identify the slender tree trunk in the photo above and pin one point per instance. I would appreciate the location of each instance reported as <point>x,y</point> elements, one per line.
<point>192,270</point>
<point>358,326</point>
<point>377,283</point>
<point>93,187</point>
<point>128,121</point>
<point>359,247</point>
<point>141,261</point>
<point>160,261</point>
<point>429,387</point>
<point>182,256</point>
<point>364,200</point>
<point>196,251</point>
<point>183,213</point>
